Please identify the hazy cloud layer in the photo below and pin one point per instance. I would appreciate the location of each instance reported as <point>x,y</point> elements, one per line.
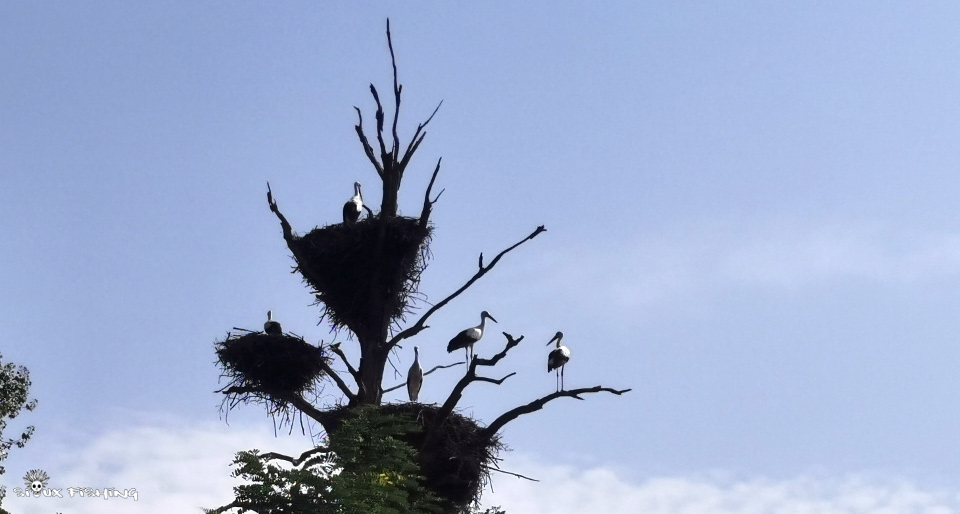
<point>563,490</point>
<point>776,255</point>
<point>173,469</point>
<point>180,469</point>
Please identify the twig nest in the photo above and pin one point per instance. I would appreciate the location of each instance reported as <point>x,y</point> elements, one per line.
<point>348,264</point>
<point>456,459</point>
<point>270,362</point>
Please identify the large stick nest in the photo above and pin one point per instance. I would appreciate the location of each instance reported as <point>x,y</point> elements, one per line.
<point>455,461</point>
<point>348,268</point>
<point>270,362</point>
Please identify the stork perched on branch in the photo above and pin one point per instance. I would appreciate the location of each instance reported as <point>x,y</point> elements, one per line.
<point>272,327</point>
<point>557,359</point>
<point>468,337</point>
<point>415,376</point>
<point>354,206</point>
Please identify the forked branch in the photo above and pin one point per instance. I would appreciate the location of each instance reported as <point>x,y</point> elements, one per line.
<point>391,164</point>
<point>471,376</point>
<point>417,138</point>
<point>420,324</point>
<point>538,404</point>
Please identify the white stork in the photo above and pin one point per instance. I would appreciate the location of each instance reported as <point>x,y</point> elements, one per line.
<point>557,359</point>
<point>469,336</point>
<point>272,327</point>
<point>353,207</point>
<point>415,376</point>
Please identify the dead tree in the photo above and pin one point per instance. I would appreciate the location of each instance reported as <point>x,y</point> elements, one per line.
<point>363,275</point>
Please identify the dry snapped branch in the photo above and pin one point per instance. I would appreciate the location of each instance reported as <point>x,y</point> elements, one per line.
<point>427,202</point>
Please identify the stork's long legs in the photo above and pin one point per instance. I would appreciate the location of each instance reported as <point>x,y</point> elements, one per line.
<point>561,377</point>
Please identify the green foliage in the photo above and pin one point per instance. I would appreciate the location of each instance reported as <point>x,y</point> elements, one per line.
<point>14,387</point>
<point>366,469</point>
<point>276,490</point>
<point>379,474</point>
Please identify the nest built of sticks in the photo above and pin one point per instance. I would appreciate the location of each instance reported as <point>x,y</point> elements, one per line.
<point>454,458</point>
<point>270,362</point>
<point>346,265</point>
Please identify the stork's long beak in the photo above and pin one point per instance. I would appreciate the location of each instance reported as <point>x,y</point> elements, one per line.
<point>492,318</point>
<point>555,338</point>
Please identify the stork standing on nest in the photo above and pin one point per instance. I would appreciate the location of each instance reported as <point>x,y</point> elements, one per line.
<point>272,327</point>
<point>468,337</point>
<point>557,359</point>
<point>415,376</point>
<point>353,207</point>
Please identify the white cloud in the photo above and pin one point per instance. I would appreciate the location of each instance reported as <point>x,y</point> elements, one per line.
<point>173,469</point>
<point>179,469</point>
<point>563,490</point>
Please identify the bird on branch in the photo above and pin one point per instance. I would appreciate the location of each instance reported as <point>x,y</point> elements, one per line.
<point>557,359</point>
<point>468,337</point>
<point>272,327</point>
<point>354,206</point>
<point>415,376</point>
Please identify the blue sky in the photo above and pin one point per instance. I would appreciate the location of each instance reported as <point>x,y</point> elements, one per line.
<point>752,216</point>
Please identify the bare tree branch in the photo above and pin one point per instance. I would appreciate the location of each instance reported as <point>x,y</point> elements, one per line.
<point>435,368</point>
<point>335,348</point>
<point>419,325</point>
<point>471,376</point>
<point>295,461</point>
<point>511,342</point>
<point>427,202</point>
<point>493,380</point>
<point>518,475</point>
<point>367,149</point>
<point>396,92</point>
<point>325,418</point>
<point>339,381</point>
<point>417,139</point>
<point>379,114</point>
<point>284,224</point>
<point>538,404</point>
